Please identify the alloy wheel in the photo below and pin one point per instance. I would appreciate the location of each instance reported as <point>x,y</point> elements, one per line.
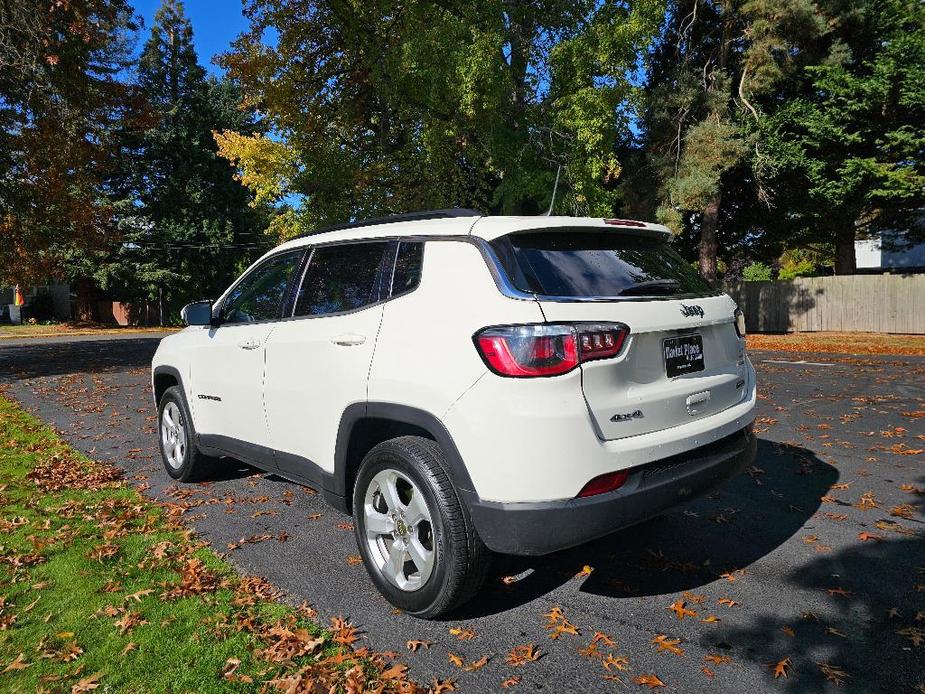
<point>173,435</point>
<point>399,530</point>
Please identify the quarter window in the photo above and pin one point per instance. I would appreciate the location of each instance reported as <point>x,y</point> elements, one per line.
<point>259,295</point>
<point>407,267</point>
<point>343,277</point>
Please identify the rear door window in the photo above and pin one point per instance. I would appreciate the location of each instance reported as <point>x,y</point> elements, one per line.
<point>344,277</point>
<point>583,264</point>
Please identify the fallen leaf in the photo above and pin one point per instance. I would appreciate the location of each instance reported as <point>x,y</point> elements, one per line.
<point>414,645</point>
<point>717,659</point>
<point>397,671</point>
<point>139,595</point>
<point>833,674</point>
<point>463,634</point>
<point>650,681</point>
<point>680,609</point>
<point>87,684</point>
<point>914,634</point>
<point>476,664</point>
<point>18,664</point>
<point>564,628</point>
<point>615,662</point>
<point>663,643</point>
<point>781,669</point>
<point>521,655</point>
<point>231,665</point>
<point>512,681</point>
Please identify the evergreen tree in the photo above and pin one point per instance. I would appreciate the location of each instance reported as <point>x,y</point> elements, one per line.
<point>848,141</point>
<point>186,221</point>
<point>716,70</point>
<point>775,124</point>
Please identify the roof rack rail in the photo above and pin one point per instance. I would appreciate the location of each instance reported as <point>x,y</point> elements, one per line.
<point>403,217</point>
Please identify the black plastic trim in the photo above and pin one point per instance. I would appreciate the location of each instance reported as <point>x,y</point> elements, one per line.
<point>170,371</point>
<point>543,527</point>
<point>404,415</point>
<point>288,465</point>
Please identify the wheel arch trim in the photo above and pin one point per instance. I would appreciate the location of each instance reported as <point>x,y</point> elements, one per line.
<point>402,414</point>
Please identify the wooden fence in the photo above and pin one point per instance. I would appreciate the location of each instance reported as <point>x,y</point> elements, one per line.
<point>851,303</point>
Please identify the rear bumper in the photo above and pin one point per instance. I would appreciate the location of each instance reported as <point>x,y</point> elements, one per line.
<point>536,528</point>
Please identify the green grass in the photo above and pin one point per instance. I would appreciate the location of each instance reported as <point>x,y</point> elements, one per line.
<point>76,543</point>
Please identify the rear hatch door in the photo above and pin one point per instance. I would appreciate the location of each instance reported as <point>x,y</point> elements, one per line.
<point>683,359</point>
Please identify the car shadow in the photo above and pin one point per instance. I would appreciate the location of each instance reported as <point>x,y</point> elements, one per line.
<point>19,361</point>
<point>870,621</point>
<point>745,519</point>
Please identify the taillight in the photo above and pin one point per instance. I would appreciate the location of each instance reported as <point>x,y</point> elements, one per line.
<point>524,351</point>
<point>740,323</point>
<point>608,482</point>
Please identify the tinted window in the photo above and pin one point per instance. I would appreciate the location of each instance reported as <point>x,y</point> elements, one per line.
<point>407,267</point>
<point>342,278</point>
<point>259,296</point>
<point>592,263</point>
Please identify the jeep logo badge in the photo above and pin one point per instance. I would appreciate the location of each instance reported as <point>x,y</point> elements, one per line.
<point>691,310</point>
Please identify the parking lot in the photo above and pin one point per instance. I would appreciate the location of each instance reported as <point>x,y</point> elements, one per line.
<point>810,567</point>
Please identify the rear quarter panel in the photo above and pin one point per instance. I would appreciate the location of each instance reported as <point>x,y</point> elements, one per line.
<point>424,356</point>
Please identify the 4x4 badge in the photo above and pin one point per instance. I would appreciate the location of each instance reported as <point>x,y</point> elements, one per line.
<point>691,310</point>
<point>625,417</point>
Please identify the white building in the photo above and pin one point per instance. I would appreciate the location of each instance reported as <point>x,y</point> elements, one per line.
<point>889,251</point>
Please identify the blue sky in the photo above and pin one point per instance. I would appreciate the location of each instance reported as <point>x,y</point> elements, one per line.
<point>216,23</point>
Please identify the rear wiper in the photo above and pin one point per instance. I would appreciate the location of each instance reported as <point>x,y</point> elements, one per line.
<point>643,287</point>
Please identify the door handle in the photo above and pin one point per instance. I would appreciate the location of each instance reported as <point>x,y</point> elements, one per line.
<point>349,340</point>
<point>249,344</point>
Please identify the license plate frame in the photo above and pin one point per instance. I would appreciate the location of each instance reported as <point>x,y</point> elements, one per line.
<point>683,354</point>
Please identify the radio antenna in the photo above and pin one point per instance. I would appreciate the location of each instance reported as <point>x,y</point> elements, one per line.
<point>554,188</point>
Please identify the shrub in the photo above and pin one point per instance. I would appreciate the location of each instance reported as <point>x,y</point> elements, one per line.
<point>757,272</point>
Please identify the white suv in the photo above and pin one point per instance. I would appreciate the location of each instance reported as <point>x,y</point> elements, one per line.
<point>464,383</point>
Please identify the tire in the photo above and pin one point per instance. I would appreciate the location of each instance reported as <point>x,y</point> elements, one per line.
<point>176,439</point>
<point>459,560</point>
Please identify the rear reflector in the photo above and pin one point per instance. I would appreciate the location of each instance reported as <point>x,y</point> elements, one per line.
<point>524,351</point>
<point>602,484</point>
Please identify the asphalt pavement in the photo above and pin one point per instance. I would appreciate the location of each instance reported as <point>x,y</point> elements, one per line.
<point>816,555</point>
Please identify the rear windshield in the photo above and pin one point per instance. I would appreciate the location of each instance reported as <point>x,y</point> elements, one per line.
<point>596,264</point>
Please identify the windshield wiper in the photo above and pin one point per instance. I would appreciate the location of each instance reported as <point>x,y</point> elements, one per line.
<point>666,286</point>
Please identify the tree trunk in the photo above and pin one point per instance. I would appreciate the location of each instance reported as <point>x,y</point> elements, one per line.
<point>710,219</point>
<point>845,260</point>
<point>708,225</point>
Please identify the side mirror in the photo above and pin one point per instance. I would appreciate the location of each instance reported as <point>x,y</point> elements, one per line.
<point>197,313</point>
